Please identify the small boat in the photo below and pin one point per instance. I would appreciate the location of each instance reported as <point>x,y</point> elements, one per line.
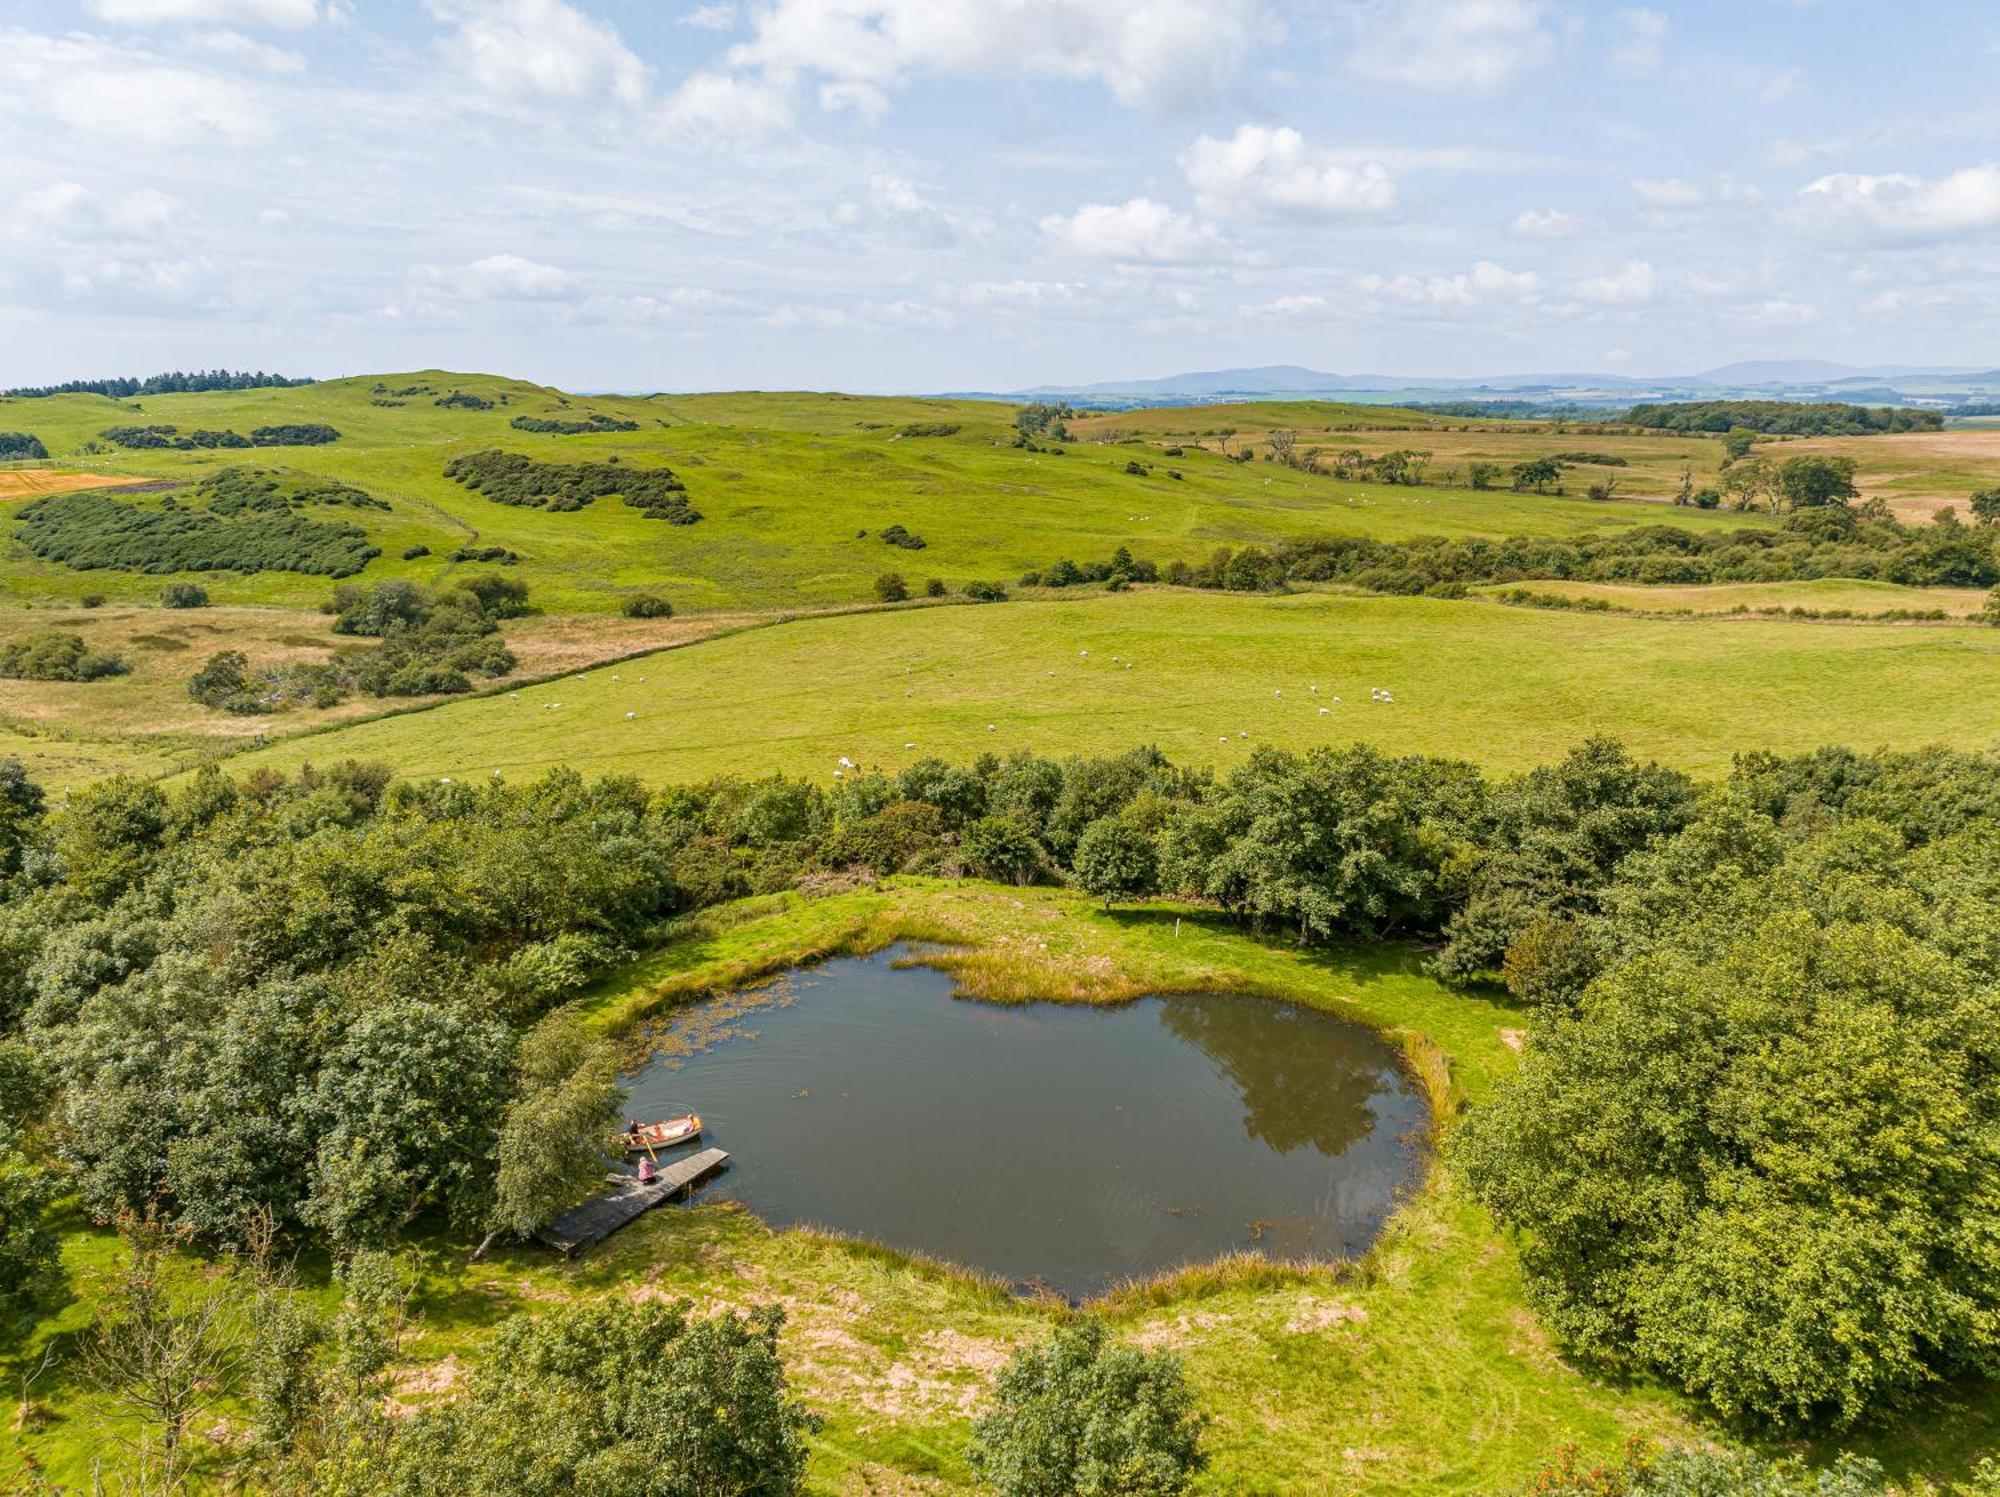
<point>664,1133</point>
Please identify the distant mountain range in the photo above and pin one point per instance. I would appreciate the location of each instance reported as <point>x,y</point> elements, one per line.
<point>1944,386</point>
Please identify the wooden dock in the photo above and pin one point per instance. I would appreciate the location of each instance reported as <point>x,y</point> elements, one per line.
<point>600,1216</point>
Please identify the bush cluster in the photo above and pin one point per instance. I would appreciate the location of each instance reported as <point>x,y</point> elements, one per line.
<point>1121,567</point>
<point>572,426</point>
<point>930,429</point>
<point>18,444</point>
<point>460,400</point>
<point>510,478</point>
<point>896,535</point>
<point>302,434</point>
<point>51,655</point>
<point>249,522</point>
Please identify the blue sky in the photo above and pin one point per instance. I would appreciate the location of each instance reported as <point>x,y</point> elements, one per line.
<point>924,194</point>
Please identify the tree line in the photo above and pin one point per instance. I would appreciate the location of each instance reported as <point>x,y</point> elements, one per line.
<point>174,383</point>
<point>1791,418</point>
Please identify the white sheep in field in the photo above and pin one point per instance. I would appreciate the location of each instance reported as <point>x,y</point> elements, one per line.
<point>630,715</point>
<point>1326,712</point>
<point>909,745</point>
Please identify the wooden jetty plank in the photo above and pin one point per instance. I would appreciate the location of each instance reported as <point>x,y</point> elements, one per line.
<point>600,1216</point>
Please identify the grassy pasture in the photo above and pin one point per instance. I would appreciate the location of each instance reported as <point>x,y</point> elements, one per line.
<point>1825,593</point>
<point>1917,472</point>
<point>1508,687</point>
<point>67,732</point>
<point>787,484</point>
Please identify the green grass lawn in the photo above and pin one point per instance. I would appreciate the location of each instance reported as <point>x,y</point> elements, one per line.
<point>786,483</point>
<point>1506,687</point>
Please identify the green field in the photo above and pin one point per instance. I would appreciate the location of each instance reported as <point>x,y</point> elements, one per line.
<point>1508,687</point>
<point>786,485</point>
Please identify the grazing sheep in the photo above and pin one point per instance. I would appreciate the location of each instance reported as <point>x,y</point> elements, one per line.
<point>909,745</point>
<point>1326,712</point>
<point>630,715</point>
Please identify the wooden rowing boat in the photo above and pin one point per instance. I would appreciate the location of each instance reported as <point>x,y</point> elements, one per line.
<point>663,1133</point>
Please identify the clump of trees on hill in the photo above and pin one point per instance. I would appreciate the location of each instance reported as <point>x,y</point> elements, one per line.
<point>432,643</point>
<point>1122,567</point>
<point>298,434</point>
<point>249,521</point>
<point>510,478</point>
<point>176,383</point>
<point>1790,418</point>
<point>930,429</point>
<point>21,444</point>
<point>460,400</point>
<point>1040,423</point>
<point>572,426</point>
<point>52,655</point>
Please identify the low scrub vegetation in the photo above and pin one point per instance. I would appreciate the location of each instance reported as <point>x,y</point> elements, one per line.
<point>247,521</point>
<point>52,655</point>
<point>302,434</point>
<point>571,426</point>
<point>21,444</point>
<point>510,478</point>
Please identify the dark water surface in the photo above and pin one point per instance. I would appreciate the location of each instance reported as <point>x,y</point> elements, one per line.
<point>1055,1143</point>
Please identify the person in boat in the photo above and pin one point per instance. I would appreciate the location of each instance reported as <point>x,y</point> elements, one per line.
<point>632,1130</point>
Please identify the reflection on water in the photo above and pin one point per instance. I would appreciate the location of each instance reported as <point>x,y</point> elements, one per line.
<point>1050,1143</point>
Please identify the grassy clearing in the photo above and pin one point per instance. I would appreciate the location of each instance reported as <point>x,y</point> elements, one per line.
<point>1508,687</point>
<point>1418,1369</point>
<point>144,722</point>
<point>786,485</point>
<point>1918,472</point>
<point>1821,594</point>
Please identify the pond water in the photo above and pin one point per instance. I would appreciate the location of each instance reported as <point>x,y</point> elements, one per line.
<point>1055,1144</point>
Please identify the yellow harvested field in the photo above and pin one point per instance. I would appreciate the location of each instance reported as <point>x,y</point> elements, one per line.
<point>30,483</point>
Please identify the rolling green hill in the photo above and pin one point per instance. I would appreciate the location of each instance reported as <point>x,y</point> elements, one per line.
<point>794,490</point>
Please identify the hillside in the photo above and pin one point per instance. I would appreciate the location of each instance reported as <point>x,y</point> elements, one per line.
<point>793,489</point>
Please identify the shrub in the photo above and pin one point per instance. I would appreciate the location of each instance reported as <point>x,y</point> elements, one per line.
<point>1076,1417</point>
<point>930,429</point>
<point>301,434</point>
<point>648,606</point>
<point>249,522</point>
<point>510,478</point>
<point>50,655</point>
<point>896,535</point>
<point>1136,468</point>
<point>225,683</point>
<point>21,444</point>
<point>461,401</point>
<point>934,587</point>
<point>571,427</point>
<point>986,592</point>
<point>411,553</point>
<point>184,595</point>
<point>891,588</point>
<point>92,600</point>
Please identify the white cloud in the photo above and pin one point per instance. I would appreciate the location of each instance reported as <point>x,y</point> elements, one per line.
<point>1138,230</point>
<point>70,213</point>
<point>100,88</point>
<point>721,107</point>
<point>1668,192</point>
<point>1304,305</point>
<point>1634,282</point>
<point>1781,312</point>
<point>512,278</point>
<point>1164,55</point>
<point>1485,282</point>
<point>1451,45</point>
<point>1899,206</point>
<point>234,46</point>
<point>711,18</point>
<point>1642,39</point>
<point>1020,293</point>
<point>1260,169</point>
<point>524,49</point>
<point>287,14</point>
<point>1548,223</point>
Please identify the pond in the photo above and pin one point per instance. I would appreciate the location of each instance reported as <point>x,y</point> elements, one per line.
<point>1063,1145</point>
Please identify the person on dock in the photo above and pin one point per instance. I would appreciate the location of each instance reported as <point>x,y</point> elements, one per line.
<point>645,1172</point>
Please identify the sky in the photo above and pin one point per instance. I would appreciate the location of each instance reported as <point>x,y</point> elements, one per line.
<point>904,195</point>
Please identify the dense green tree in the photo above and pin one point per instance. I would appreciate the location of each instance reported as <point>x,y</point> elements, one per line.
<point>52,655</point>
<point>1078,1417</point>
<point>1813,481</point>
<point>1115,859</point>
<point>552,1135</point>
